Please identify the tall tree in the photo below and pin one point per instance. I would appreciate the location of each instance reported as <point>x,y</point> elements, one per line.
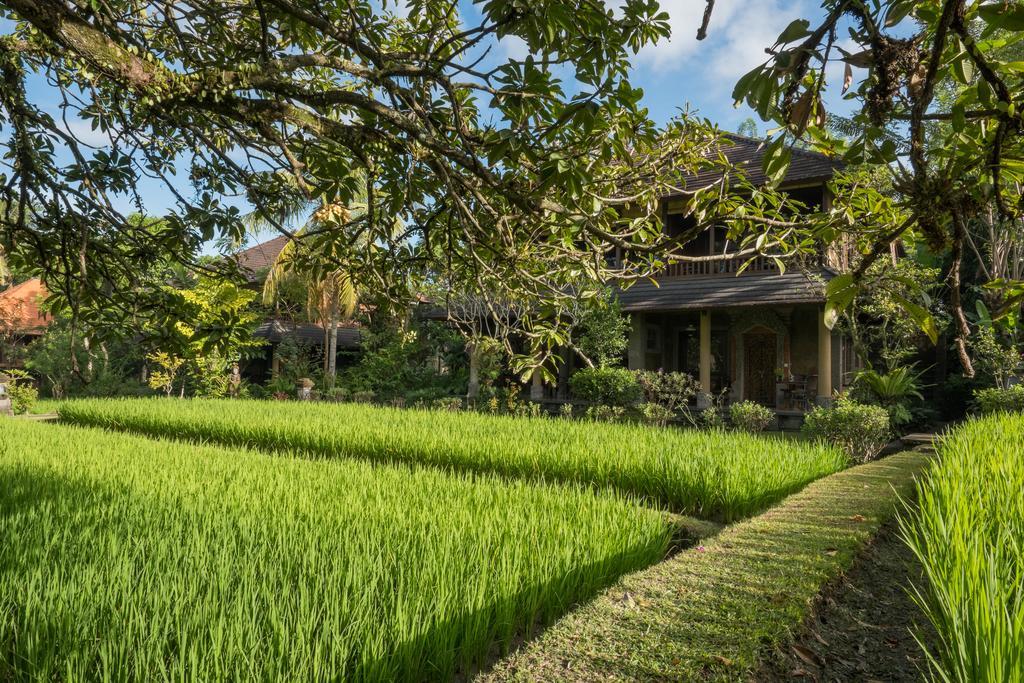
<point>951,160</point>
<point>512,172</point>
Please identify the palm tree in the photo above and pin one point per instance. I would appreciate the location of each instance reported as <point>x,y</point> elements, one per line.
<point>330,297</point>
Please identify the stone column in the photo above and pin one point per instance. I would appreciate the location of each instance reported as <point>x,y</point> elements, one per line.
<point>704,398</point>
<point>824,361</point>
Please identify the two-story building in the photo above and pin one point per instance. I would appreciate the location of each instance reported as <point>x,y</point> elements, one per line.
<point>757,335</point>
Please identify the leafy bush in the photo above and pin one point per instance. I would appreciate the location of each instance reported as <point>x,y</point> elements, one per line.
<point>966,530</point>
<point>671,390</point>
<point>861,431</point>
<point>711,418</point>
<point>449,403</point>
<point>22,391</point>
<point>897,391</point>
<point>337,394</point>
<point>603,331</point>
<point>616,387</point>
<point>997,400</point>
<point>364,397</point>
<point>748,416</point>
<point>427,356</point>
<point>656,414</point>
<point>606,413</point>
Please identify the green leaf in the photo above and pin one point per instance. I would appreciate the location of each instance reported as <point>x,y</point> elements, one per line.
<point>839,294</point>
<point>776,160</point>
<point>797,29</point>
<point>920,315</point>
<point>1005,15</point>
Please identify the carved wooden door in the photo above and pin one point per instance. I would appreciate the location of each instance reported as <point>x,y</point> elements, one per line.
<point>759,368</point>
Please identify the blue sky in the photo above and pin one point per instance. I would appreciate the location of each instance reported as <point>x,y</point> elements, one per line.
<point>674,74</point>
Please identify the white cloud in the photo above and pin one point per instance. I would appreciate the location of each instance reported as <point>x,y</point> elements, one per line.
<point>83,131</point>
<point>738,33</point>
<point>513,47</point>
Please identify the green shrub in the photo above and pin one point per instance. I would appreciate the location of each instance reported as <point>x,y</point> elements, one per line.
<point>656,414</point>
<point>364,396</point>
<point>338,394</point>
<point>861,431</point>
<point>606,413</point>
<point>448,403</point>
<point>22,391</point>
<point>711,418</point>
<point>606,386</point>
<point>996,400</point>
<point>748,416</point>
<point>897,391</point>
<point>671,390</point>
<point>967,529</point>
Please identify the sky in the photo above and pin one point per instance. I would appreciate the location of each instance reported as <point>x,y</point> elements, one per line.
<point>674,74</point>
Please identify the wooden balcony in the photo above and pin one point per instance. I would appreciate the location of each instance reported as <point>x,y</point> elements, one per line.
<point>761,265</point>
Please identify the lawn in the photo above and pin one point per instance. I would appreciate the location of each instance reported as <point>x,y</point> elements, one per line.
<point>968,532</point>
<point>708,474</point>
<point>126,558</point>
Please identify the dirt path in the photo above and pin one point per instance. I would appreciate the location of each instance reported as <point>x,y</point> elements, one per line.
<point>863,627</point>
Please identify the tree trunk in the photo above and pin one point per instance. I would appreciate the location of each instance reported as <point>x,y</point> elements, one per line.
<point>474,371</point>
<point>87,345</point>
<point>332,349</point>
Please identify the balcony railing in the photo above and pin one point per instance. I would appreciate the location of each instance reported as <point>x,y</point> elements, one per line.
<point>760,265</point>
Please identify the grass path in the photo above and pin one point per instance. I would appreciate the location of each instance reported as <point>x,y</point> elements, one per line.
<point>864,626</point>
<point>711,611</point>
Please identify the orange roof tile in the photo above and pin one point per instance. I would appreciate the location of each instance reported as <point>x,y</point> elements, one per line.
<point>20,307</point>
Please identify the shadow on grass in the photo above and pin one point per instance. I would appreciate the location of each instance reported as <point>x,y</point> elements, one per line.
<point>37,505</point>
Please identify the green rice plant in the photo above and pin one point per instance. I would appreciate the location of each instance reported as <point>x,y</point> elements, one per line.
<point>968,532</point>
<point>710,474</point>
<point>130,559</point>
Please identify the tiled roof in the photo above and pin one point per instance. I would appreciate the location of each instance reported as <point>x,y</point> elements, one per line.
<point>261,256</point>
<point>748,153</point>
<point>349,334</point>
<point>695,293</point>
<point>19,307</point>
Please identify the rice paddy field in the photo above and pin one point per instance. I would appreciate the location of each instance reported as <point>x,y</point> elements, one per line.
<point>127,558</point>
<point>708,474</point>
<point>968,532</point>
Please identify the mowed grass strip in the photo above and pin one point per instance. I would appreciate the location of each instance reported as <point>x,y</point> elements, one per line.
<point>968,532</point>
<point>128,559</point>
<point>708,612</point>
<point>708,474</point>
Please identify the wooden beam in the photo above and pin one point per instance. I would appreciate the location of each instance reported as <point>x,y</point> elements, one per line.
<point>824,360</point>
<point>705,357</point>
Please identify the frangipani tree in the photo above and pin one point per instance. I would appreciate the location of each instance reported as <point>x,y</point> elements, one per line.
<point>516,173</point>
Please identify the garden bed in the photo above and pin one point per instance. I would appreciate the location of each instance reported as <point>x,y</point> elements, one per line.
<point>709,474</point>
<point>711,611</point>
<point>126,558</point>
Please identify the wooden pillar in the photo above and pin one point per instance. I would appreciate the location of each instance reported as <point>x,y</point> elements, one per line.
<point>473,390</point>
<point>637,342</point>
<point>704,399</point>
<point>824,360</point>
